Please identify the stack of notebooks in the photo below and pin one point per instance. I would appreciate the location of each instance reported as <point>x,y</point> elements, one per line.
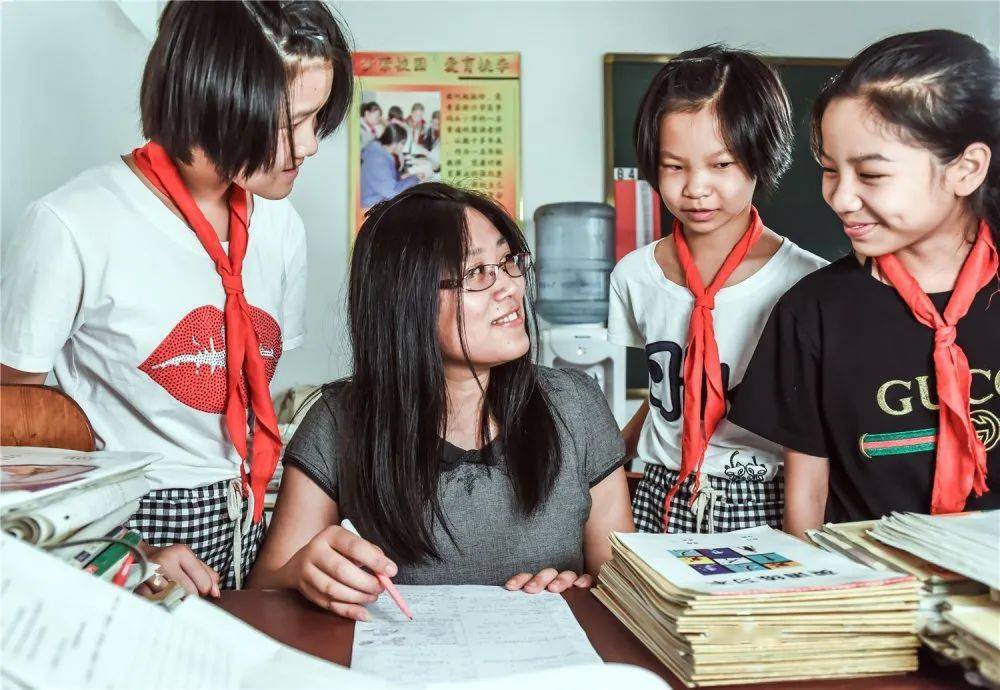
<point>758,605</point>
<point>75,505</point>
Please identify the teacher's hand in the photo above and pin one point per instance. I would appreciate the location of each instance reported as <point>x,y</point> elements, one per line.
<point>328,571</point>
<point>549,579</point>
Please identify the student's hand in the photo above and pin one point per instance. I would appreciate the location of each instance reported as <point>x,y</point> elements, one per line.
<point>550,579</point>
<point>328,572</point>
<point>178,563</point>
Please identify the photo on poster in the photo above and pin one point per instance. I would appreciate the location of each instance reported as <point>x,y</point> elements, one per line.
<point>400,139</point>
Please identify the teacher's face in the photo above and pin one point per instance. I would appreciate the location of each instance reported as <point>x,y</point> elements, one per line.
<point>493,318</point>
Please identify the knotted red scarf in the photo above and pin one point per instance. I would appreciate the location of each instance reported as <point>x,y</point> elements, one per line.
<point>960,457</point>
<point>242,347</point>
<point>704,395</point>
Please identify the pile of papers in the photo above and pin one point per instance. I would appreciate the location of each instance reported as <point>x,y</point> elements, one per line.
<point>759,605</point>
<point>966,543</point>
<point>76,504</point>
<point>969,545</point>
<point>976,640</point>
<point>853,540</point>
<point>66,630</point>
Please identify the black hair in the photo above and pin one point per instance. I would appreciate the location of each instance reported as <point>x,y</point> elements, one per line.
<point>395,112</point>
<point>369,106</point>
<point>415,106</point>
<point>396,399</point>
<point>750,102</point>
<point>217,78</point>
<point>940,89</point>
<point>393,133</point>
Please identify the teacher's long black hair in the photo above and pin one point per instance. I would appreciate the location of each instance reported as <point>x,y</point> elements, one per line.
<point>396,401</point>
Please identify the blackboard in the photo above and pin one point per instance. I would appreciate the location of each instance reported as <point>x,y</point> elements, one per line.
<point>797,210</point>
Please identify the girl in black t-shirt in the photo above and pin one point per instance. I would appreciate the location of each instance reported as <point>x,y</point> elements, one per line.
<point>880,374</point>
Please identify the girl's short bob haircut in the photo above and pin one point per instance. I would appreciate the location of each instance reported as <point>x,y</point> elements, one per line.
<point>218,74</point>
<point>750,102</point>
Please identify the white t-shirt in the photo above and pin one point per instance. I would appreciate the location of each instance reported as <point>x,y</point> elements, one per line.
<point>649,311</point>
<point>110,290</point>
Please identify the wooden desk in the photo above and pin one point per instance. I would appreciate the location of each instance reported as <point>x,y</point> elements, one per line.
<point>289,618</point>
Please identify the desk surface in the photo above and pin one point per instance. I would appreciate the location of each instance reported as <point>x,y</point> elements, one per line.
<point>289,618</point>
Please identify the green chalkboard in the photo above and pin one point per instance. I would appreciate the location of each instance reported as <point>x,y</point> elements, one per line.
<point>797,210</point>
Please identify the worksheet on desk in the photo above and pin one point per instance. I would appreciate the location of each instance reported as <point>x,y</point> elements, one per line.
<point>468,632</point>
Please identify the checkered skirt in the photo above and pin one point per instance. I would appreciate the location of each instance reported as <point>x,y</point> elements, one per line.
<point>740,503</point>
<point>198,517</point>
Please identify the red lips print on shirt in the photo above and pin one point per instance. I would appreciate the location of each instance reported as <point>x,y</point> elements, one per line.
<point>191,361</point>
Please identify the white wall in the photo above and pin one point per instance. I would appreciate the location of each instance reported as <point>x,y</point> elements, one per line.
<point>70,74</point>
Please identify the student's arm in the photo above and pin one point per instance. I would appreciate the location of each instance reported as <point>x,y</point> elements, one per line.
<point>11,375</point>
<point>306,549</point>
<point>806,487</point>
<point>632,430</point>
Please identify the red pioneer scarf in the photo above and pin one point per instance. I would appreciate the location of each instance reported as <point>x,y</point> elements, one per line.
<point>704,396</point>
<point>242,347</point>
<point>960,457</point>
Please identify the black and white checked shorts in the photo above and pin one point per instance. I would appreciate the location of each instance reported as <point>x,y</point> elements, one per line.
<point>198,517</point>
<point>740,504</point>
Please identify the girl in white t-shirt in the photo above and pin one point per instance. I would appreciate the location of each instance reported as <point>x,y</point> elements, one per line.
<point>713,124</point>
<point>162,288</point>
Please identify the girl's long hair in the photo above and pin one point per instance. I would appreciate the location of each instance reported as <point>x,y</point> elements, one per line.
<point>939,88</point>
<point>395,404</point>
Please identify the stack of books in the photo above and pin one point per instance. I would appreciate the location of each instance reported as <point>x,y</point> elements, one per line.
<point>76,505</point>
<point>758,605</point>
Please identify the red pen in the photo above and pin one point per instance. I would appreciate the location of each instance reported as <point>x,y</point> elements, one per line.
<point>383,578</point>
<point>122,575</point>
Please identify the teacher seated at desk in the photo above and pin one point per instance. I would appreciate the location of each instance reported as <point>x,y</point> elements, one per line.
<point>451,451</point>
<point>380,175</point>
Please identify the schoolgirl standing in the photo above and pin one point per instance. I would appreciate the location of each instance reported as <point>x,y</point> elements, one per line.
<point>161,289</point>
<point>880,374</point>
<point>714,124</point>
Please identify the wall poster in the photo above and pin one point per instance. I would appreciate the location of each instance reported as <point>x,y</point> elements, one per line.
<point>453,117</point>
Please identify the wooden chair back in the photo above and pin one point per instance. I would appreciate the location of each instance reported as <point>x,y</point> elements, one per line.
<point>43,417</point>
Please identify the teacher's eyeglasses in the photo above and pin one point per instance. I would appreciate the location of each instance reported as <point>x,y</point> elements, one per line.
<point>483,276</point>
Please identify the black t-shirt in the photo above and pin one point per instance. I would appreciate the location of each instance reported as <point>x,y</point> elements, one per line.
<point>843,370</point>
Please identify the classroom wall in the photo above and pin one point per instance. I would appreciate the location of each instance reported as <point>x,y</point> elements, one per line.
<point>70,75</point>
